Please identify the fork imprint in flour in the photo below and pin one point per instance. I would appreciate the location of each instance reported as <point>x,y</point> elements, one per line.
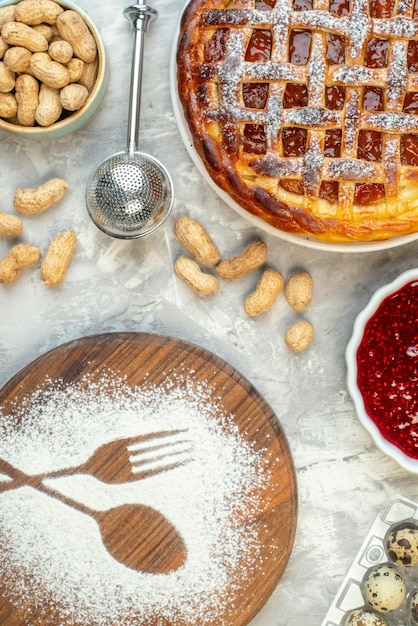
<point>126,460</point>
<point>159,547</point>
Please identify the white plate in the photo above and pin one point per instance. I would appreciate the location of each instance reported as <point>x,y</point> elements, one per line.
<point>301,240</point>
<point>378,297</point>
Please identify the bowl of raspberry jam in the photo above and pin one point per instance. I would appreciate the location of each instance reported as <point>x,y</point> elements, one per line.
<point>382,368</point>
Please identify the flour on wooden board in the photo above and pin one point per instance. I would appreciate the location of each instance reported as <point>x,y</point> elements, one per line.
<point>53,557</point>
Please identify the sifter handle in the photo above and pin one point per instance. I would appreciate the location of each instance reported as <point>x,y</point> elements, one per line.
<point>140,16</point>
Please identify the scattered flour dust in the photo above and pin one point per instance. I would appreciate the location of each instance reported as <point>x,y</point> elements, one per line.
<point>53,557</point>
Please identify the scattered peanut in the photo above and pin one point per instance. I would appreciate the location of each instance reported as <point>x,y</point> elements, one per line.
<point>73,29</point>
<point>57,258</point>
<point>190,273</point>
<point>29,201</point>
<point>49,108</point>
<point>73,96</point>
<point>298,290</point>
<point>10,225</point>
<point>252,257</point>
<point>299,336</point>
<point>36,12</point>
<point>195,238</point>
<point>19,34</point>
<point>266,293</point>
<point>16,260</point>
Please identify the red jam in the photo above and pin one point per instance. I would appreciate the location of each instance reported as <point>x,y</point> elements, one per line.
<point>259,47</point>
<point>387,361</point>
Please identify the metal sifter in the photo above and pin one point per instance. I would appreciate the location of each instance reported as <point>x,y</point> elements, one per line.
<point>131,193</point>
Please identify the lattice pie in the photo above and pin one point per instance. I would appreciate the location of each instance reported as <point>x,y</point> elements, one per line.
<point>306,111</point>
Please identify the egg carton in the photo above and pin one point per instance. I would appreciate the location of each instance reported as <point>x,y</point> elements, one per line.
<point>374,553</point>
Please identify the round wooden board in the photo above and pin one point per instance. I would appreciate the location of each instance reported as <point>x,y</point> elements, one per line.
<point>147,358</point>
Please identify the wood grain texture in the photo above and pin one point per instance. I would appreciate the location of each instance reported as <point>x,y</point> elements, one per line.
<point>147,358</point>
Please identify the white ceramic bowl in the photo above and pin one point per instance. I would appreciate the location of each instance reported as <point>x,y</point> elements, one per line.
<point>79,118</point>
<point>406,461</point>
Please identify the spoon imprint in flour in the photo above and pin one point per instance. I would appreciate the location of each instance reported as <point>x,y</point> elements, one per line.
<point>136,535</point>
<point>131,193</point>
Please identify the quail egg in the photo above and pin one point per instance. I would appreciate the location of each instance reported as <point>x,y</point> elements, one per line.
<point>402,545</point>
<point>413,607</point>
<point>363,617</point>
<point>384,588</point>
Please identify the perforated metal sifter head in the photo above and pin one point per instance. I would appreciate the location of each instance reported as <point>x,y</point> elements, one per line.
<point>129,196</point>
<point>131,193</point>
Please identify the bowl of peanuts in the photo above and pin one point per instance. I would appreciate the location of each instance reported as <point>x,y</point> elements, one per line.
<point>53,68</point>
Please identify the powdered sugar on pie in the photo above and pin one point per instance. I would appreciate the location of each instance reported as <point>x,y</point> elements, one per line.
<point>306,111</point>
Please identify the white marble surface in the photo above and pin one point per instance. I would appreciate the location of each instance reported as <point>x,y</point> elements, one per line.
<point>115,285</point>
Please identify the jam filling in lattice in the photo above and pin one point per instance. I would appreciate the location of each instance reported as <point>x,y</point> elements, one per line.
<point>323,92</point>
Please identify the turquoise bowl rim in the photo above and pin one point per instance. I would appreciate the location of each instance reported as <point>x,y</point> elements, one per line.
<point>79,118</point>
